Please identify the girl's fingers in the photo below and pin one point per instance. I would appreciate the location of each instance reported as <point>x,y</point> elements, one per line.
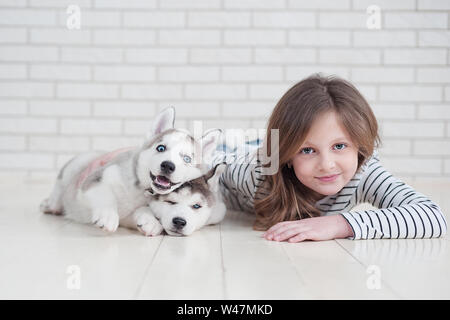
<point>269,234</point>
<point>288,229</point>
<point>289,233</point>
<point>275,227</point>
<point>300,237</point>
<point>272,229</point>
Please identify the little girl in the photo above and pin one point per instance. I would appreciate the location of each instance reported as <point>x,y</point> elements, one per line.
<point>327,164</point>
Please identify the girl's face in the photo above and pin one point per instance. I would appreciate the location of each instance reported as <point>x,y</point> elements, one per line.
<point>328,159</point>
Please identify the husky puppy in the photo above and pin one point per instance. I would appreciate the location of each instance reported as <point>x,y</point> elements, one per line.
<point>107,189</point>
<point>194,204</point>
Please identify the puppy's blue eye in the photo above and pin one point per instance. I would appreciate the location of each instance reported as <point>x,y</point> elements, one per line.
<point>196,206</point>
<point>187,159</point>
<point>161,148</point>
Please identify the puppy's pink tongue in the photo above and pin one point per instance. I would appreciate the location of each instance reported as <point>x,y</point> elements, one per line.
<point>163,181</point>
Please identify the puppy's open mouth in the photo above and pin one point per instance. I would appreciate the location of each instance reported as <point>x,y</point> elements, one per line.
<point>162,182</point>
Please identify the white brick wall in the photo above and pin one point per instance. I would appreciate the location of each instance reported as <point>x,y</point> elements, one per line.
<point>225,62</point>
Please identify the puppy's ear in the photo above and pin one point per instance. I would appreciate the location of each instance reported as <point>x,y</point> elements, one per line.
<point>212,176</point>
<point>165,120</point>
<point>209,143</point>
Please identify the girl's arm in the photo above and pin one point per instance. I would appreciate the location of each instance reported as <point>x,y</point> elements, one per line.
<point>403,212</point>
<point>240,178</point>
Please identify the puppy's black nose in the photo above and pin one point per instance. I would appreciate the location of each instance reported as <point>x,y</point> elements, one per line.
<point>179,223</point>
<point>167,167</point>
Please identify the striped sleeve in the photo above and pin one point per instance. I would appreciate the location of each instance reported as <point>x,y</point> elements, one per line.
<point>402,212</point>
<point>240,179</point>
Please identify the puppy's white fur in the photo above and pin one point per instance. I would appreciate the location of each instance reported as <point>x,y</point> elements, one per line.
<point>196,203</point>
<point>112,194</point>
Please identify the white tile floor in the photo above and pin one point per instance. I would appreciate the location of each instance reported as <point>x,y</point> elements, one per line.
<point>226,261</point>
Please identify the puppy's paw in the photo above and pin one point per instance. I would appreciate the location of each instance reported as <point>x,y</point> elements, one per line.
<point>149,225</point>
<point>46,207</point>
<point>106,219</point>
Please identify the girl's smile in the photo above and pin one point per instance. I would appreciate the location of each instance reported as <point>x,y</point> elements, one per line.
<point>328,158</point>
<point>329,178</point>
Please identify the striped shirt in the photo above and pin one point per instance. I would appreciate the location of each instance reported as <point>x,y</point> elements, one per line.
<point>402,212</point>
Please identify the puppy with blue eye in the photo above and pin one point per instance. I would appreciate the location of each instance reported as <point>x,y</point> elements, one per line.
<point>107,189</point>
<point>191,206</point>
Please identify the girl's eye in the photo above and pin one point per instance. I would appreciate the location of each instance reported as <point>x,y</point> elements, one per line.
<point>306,150</point>
<point>340,146</point>
<point>187,159</point>
<point>171,202</point>
<point>161,148</point>
<point>196,206</point>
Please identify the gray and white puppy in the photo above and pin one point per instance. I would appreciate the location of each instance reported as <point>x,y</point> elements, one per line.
<point>107,189</point>
<point>191,206</point>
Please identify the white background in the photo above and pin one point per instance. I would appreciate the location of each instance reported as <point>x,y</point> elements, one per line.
<point>225,62</point>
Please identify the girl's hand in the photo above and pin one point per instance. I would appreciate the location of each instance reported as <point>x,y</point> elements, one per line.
<point>318,228</point>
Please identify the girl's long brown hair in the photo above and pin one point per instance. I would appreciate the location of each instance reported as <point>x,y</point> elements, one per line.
<point>282,197</point>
